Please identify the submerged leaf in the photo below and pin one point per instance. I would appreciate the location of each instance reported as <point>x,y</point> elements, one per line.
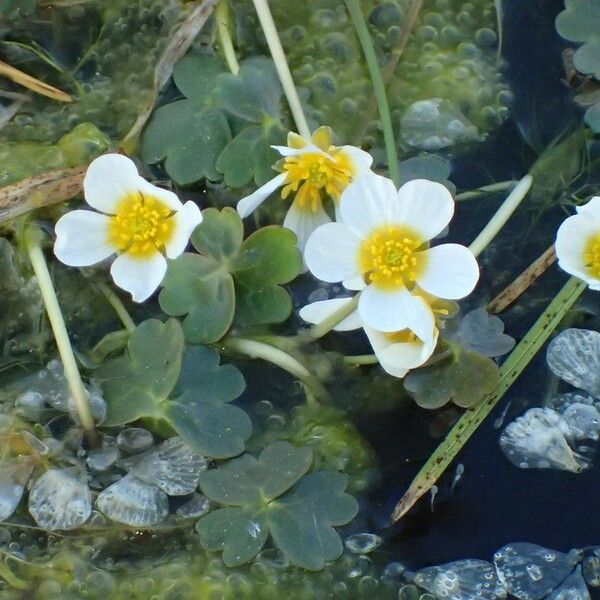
<point>465,378</point>
<point>254,491</point>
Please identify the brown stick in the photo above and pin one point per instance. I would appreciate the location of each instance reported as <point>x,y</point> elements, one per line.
<point>40,190</point>
<point>33,84</point>
<point>522,282</point>
<point>390,66</point>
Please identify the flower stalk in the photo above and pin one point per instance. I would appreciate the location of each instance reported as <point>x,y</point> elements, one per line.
<point>510,370</point>
<point>223,24</point>
<point>283,70</point>
<point>497,222</point>
<point>57,323</point>
<point>118,307</point>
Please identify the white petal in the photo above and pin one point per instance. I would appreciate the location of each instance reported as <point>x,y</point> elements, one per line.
<point>319,311</point>
<point>108,179</point>
<point>451,272</point>
<point>250,203</point>
<point>139,277</point>
<point>361,160</point>
<point>366,203</point>
<point>591,208</point>
<point>390,311</point>
<point>425,206</point>
<point>571,238</point>
<point>186,220</point>
<point>303,222</point>
<point>165,196</point>
<point>355,283</point>
<point>397,358</point>
<point>331,253</point>
<point>82,238</point>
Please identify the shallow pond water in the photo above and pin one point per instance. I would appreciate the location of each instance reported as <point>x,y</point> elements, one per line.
<point>221,442</point>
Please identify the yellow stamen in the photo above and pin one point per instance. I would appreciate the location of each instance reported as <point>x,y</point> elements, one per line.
<point>311,173</point>
<point>389,257</point>
<point>141,225</point>
<point>406,336</point>
<point>591,256</point>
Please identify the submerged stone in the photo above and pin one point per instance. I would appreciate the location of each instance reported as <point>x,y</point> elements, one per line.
<point>538,440</point>
<point>196,506</point>
<point>172,466</point>
<point>13,477</point>
<point>531,572</point>
<point>591,570</point>
<point>134,439</point>
<point>574,356</point>
<point>60,499</point>
<point>133,502</point>
<point>105,457</point>
<point>435,124</point>
<point>583,420</point>
<point>572,588</point>
<point>363,543</point>
<point>461,580</point>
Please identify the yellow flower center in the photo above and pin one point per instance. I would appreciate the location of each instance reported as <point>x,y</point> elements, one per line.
<point>311,173</point>
<point>591,256</point>
<point>141,225</point>
<point>406,336</point>
<point>391,258</point>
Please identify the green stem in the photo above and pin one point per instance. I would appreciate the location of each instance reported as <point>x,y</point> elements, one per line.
<point>366,42</point>
<point>326,325</point>
<point>222,19</point>
<point>361,359</point>
<point>281,359</point>
<point>283,70</point>
<point>492,188</point>
<point>507,208</point>
<point>118,307</point>
<point>512,367</point>
<point>59,329</point>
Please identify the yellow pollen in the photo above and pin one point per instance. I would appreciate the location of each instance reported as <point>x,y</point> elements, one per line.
<point>312,173</point>
<point>390,257</point>
<point>591,256</point>
<point>406,336</point>
<point>141,225</point>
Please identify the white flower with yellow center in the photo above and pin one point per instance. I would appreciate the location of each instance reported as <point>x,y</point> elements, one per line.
<point>381,246</point>
<point>312,170</point>
<point>578,243</point>
<point>136,220</point>
<point>397,352</point>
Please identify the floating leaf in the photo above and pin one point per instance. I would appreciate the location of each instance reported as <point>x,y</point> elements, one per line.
<point>230,277</point>
<point>426,166</point>
<point>137,382</point>
<point>200,412</point>
<point>256,503</point>
<point>188,389</point>
<point>465,378</point>
<point>482,333</point>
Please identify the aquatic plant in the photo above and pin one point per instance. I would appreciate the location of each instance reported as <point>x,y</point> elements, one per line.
<point>135,219</point>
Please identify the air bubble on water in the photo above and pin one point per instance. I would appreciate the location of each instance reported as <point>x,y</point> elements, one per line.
<point>172,466</point>
<point>469,578</point>
<point>528,571</point>
<point>60,499</point>
<point>363,543</point>
<point>133,502</point>
<point>538,439</point>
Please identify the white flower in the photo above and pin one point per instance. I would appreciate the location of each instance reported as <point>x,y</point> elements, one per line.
<point>136,220</point>
<point>578,243</point>
<point>398,352</point>
<point>381,246</point>
<point>311,168</point>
